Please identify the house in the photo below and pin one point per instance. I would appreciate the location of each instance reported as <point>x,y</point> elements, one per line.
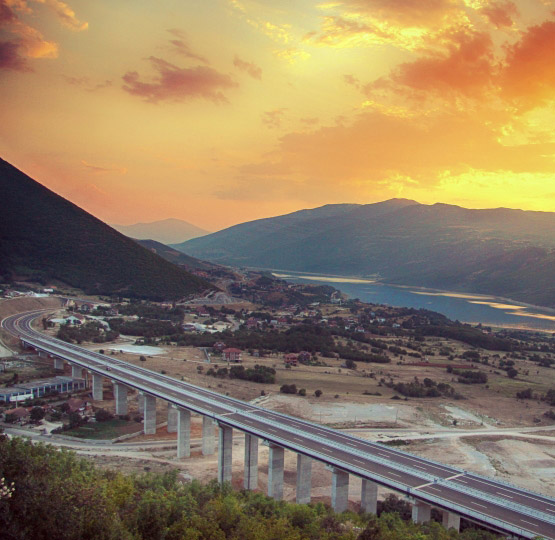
<point>290,359</point>
<point>232,355</point>
<point>188,327</point>
<point>304,357</point>
<point>21,413</point>
<point>86,307</point>
<point>77,405</point>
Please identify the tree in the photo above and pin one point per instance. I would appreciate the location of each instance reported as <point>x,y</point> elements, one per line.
<point>75,420</point>
<point>318,393</point>
<point>37,414</point>
<point>512,373</point>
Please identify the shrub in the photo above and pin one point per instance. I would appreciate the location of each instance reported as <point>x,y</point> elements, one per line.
<point>318,393</point>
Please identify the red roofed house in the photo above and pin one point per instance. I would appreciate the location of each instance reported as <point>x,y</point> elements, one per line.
<point>232,354</point>
<point>291,359</point>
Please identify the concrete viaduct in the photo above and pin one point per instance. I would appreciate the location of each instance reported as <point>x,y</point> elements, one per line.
<point>457,493</point>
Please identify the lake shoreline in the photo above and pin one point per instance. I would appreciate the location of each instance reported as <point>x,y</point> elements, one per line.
<point>510,307</point>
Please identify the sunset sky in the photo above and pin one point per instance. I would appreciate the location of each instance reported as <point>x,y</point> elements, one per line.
<point>224,111</point>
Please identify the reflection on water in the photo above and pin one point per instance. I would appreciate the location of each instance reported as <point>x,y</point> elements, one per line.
<point>471,308</point>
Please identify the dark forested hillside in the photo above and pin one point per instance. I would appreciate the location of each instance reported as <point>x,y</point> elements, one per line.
<point>45,237</point>
<point>499,251</point>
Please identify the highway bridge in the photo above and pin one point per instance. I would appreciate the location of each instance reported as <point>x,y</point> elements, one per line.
<point>500,506</point>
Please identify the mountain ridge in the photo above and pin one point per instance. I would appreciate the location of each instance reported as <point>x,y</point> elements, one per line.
<point>165,231</point>
<point>505,252</point>
<point>45,237</point>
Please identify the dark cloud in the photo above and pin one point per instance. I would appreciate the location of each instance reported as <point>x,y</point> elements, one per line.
<point>10,59</point>
<point>172,83</point>
<point>249,67</point>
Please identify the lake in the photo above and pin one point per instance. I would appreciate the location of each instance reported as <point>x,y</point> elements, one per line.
<point>471,308</point>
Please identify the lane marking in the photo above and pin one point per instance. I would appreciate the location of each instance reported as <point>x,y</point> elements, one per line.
<point>360,461</point>
<point>477,504</point>
<point>503,495</point>
<point>394,474</point>
<point>533,524</point>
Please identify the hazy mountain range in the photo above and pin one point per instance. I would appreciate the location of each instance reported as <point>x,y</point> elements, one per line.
<point>498,251</point>
<point>166,231</point>
<point>44,237</point>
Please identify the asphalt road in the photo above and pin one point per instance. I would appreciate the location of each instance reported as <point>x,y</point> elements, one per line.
<point>484,500</point>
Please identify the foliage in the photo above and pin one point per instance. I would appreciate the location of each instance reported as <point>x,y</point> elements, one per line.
<point>468,376</point>
<point>288,389</point>
<point>90,331</point>
<point>102,415</point>
<point>258,374</point>
<point>57,495</point>
<point>427,388</point>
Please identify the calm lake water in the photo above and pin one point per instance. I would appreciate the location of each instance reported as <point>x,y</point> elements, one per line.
<point>471,308</point>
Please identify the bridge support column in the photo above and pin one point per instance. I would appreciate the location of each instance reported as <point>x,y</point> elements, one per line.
<point>421,512</point>
<point>149,416</point>
<point>251,462</point>
<point>207,436</point>
<point>304,479</point>
<point>275,472</point>
<point>183,433</point>
<point>172,419</point>
<point>225,454</point>
<point>58,363</point>
<point>97,387</point>
<point>140,402</point>
<point>451,520</point>
<point>120,396</point>
<point>339,490</point>
<point>76,371</point>
<point>369,497</point>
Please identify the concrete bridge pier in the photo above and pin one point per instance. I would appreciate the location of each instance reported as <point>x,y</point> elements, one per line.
<point>172,419</point>
<point>251,462</point>
<point>339,490</point>
<point>451,520</point>
<point>149,416</point>
<point>140,402</point>
<point>120,396</point>
<point>369,497</point>
<point>421,512</point>
<point>225,449</point>
<point>58,364</point>
<point>76,371</point>
<point>97,387</point>
<point>275,471</point>
<point>183,433</point>
<point>207,436</point>
<point>304,479</point>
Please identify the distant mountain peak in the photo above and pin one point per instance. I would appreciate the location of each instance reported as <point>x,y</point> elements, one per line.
<point>166,231</point>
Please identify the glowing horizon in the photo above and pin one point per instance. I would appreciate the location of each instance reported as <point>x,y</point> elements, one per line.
<point>232,110</point>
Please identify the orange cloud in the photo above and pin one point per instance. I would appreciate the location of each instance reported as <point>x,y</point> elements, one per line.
<point>273,118</point>
<point>529,75</point>
<point>466,67</point>
<point>26,40</point>
<point>249,67</point>
<point>404,12</point>
<point>181,47</point>
<point>66,14</point>
<point>500,14</point>
<point>178,84</point>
